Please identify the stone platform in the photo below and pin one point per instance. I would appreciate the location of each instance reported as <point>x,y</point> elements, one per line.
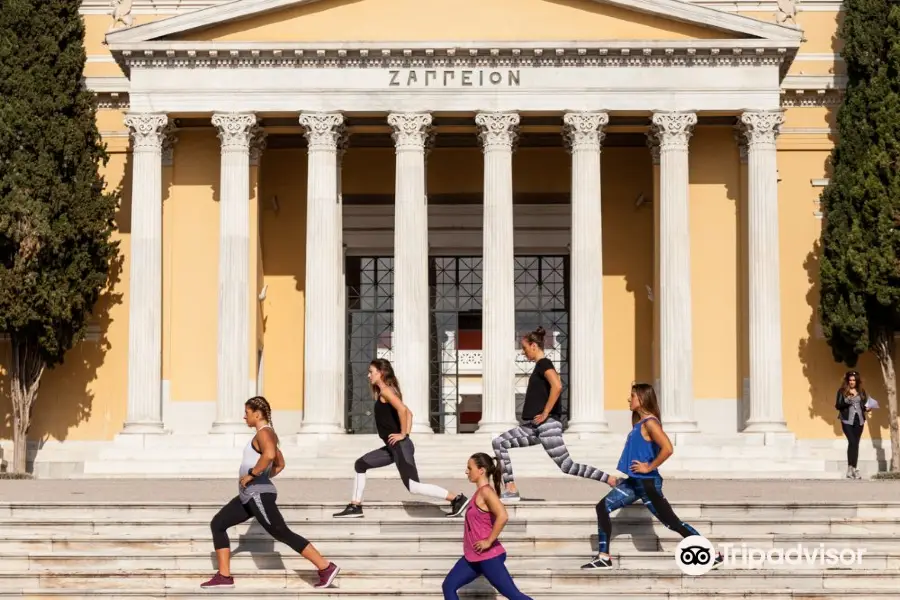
<point>150,539</point>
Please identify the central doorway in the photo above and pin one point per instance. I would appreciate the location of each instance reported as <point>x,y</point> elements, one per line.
<point>455,289</point>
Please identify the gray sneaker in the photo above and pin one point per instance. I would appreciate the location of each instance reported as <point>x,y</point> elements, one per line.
<point>508,497</point>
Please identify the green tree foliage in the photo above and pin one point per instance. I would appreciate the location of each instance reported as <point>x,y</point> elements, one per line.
<point>860,272</point>
<point>55,217</point>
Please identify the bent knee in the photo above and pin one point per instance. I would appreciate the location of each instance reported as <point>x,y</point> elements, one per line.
<point>360,466</point>
<point>498,443</point>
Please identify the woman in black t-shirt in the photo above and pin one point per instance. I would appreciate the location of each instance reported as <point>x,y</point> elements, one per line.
<point>541,415</point>
<point>393,421</point>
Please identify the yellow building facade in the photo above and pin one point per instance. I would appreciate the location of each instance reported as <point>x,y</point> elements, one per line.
<point>310,184</point>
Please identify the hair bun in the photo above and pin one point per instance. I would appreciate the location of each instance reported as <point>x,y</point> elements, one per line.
<point>540,331</point>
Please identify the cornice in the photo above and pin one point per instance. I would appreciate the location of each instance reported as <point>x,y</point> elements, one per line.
<point>725,53</point>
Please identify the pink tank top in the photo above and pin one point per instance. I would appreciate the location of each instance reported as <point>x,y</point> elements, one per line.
<point>479,524</point>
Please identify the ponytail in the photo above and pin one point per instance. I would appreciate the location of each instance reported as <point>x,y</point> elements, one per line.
<point>491,466</point>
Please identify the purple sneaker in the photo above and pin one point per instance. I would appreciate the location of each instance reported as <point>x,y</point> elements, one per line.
<point>327,575</point>
<point>219,581</point>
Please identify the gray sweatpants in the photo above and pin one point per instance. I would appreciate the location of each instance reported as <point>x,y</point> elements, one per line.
<point>548,434</point>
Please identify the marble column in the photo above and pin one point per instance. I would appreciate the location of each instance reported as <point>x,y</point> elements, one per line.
<point>653,145</point>
<point>498,133</point>
<point>236,130</point>
<point>343,142</point>
<point>323,389</point>
<point>144,413</point>
<point>411,336</point>
<point>673,130</point>
<point>766,410</point>
<point>584,132</point>
<point>255,347</point>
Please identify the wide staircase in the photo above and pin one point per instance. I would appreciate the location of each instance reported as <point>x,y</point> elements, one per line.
<point>164,550</point>
<point>743,456</point>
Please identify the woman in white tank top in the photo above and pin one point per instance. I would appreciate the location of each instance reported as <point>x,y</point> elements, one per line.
<point>261,462</point>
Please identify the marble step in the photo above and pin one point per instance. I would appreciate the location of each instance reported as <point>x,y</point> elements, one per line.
<point>332,528</point>
<point>386,558</point>
<point>518,544</point>
<point>476,591</point>
<point>527,509</point>
<point>850,581</point>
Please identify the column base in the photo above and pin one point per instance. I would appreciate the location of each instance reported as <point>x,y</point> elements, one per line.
<point>321,429</point>
<point>775,433</point>
<point>229,427</point>
<point>136,433</point>
<point>588,428</point>
<point>496,427</point>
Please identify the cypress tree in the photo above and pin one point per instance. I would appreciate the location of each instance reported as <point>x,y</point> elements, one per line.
<point>860,272</point>
<point>55,217</point>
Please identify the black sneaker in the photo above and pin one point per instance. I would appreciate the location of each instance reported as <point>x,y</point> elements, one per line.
<point>718,562</point>
<point>353,511</point>
<point>598,563</point>
<point>458,505</point>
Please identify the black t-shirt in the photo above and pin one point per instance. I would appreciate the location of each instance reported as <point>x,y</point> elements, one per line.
<point>387,421</point>
<point>538,392</point>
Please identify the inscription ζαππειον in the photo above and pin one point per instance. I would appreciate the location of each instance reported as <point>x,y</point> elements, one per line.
<point>455,78</point>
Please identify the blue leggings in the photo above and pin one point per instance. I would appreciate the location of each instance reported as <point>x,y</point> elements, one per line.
<point>493,569</point>
<point>649,491</point>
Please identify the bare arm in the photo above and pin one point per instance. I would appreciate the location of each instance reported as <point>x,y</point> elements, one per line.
<point>268,450</point>
<point>402,411</point>
<point>279,464</point>
<point>498,510</point>
<point>555,390</point>
<point>662,440</point>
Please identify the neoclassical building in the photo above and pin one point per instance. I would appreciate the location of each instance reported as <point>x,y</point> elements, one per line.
<point>311,184</point>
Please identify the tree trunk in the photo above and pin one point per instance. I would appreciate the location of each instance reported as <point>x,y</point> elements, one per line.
<point>27,368</point>
<point>884,350</point>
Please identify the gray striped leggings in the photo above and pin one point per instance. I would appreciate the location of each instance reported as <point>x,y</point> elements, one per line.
<point>548,434</point>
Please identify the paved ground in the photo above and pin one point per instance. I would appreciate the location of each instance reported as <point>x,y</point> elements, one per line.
<point>381,490</point>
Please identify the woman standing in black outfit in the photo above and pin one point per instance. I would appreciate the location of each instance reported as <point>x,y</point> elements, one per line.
<point>393,421</point>
<point>850,402</point>
<point>541,414</point>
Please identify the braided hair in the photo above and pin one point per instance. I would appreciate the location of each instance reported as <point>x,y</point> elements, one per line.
<point>262,405</point>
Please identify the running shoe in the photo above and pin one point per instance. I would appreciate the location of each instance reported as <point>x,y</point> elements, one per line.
<point>327,575</point>
<point>218,581</point>
<point>510,497</point>
<point>598,563</point>
<point>458,505</point>
<point>352,511</point>
<point>720,560</point>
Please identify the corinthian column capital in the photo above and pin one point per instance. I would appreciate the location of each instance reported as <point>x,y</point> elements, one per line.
<point>147,130</point>
<point>674,129</point>
<point>584,130</point>
<point>257,144</point>
<point>411,130</point>
<point>235,130</point>
<point>761,127</point>
<point>324,131</point>
<point>498,131</point>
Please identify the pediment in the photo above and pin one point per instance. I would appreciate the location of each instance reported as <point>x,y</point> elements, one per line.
<point>260,22</point>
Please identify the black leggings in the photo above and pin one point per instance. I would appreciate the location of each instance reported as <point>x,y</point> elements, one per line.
<point>853,433</point>
<point>263,508</point>
<point>648,491</point>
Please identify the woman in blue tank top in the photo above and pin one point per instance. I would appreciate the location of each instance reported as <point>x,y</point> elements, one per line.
<point>646,448</point>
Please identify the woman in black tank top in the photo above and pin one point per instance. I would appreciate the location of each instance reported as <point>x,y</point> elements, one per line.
<point>393,421</point>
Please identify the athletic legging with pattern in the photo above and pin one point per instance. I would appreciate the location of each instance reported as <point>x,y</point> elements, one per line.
<point>548,434</point>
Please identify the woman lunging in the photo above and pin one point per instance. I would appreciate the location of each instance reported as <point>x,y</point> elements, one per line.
<point>646,448</point>
<point>854,406</point>
<point>541,415</point>
<point>485,518</point>
<point>393,421</point>
<point>256,498</point>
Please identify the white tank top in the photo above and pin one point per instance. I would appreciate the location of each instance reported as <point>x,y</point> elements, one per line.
<point>261,484</point>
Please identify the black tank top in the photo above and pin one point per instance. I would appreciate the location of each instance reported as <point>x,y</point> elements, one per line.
<point>387,421</point>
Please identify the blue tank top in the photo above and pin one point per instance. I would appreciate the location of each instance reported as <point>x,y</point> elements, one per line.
<point>639,449</point>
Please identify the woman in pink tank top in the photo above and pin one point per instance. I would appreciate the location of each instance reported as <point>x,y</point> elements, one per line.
<point>486,517</point>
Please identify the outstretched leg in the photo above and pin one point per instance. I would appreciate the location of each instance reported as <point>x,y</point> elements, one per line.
<point>550,433</point>
<point>404,456</point>
<point>517,437</point>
